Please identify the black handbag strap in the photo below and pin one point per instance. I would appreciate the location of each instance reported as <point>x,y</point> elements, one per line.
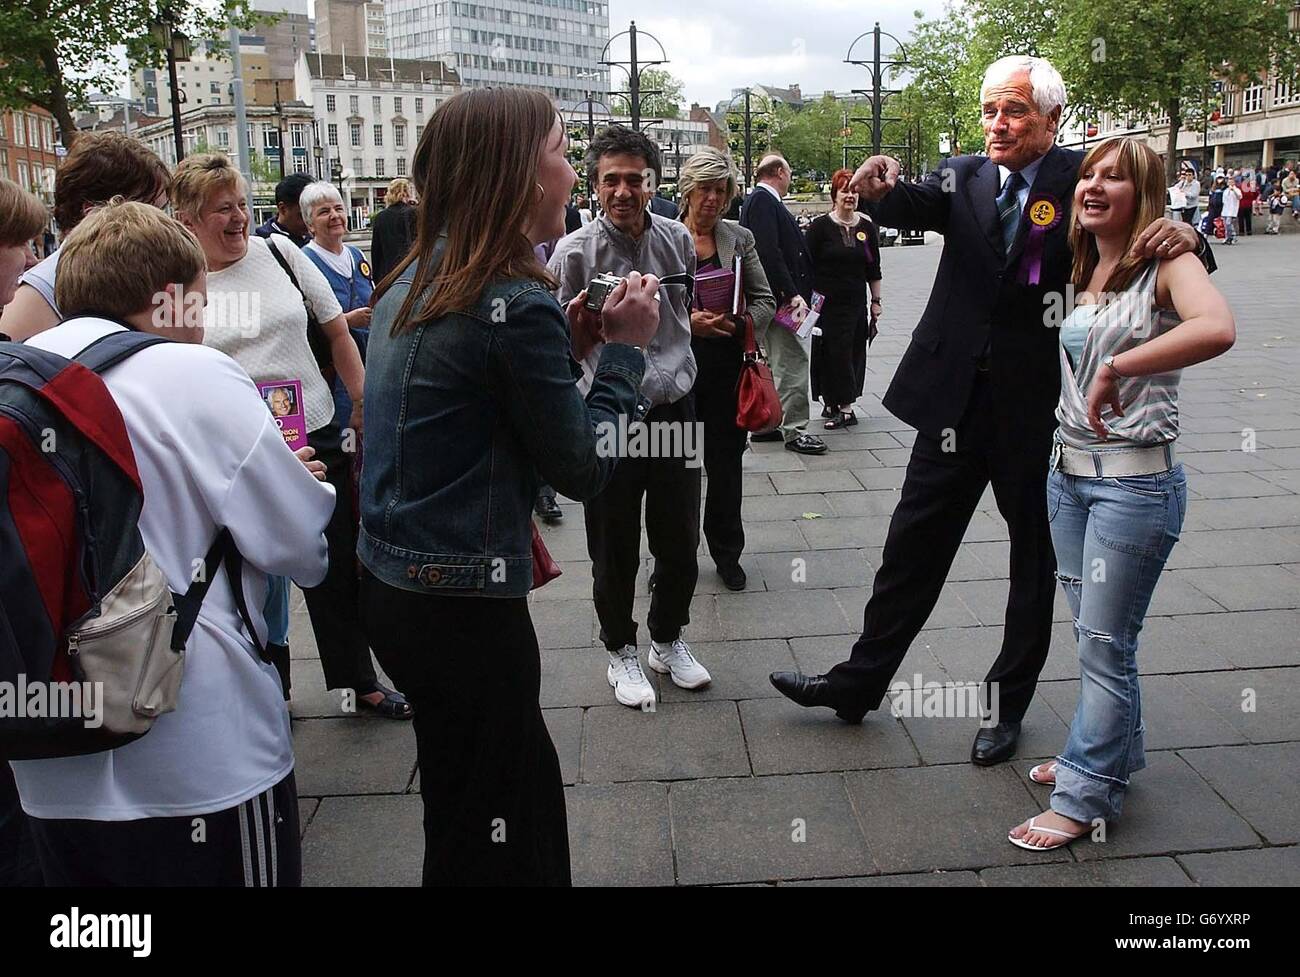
<point>222,550</point>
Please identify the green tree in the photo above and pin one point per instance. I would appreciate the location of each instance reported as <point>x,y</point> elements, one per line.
<point>765,121</point>
<point>1160,54</point>
<point>53,51</point>
<point>666,102</point>
<point>946,70</point>
<point>812,140</point>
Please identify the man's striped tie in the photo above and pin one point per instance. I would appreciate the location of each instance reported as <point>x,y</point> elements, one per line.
<point>1009,210</point>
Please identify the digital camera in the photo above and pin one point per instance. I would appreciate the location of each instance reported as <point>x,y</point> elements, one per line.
<point>599,290</point>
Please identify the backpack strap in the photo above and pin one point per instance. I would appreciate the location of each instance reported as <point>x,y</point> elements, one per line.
<point>223,549</point>
<point>283,263</point>
<point>110,350</point>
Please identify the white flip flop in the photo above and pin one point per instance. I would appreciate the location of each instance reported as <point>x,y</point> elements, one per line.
<point>1051,768</point>
<point>1067,836</point>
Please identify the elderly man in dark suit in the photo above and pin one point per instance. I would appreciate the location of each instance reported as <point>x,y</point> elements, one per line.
<point>785,259</point>
<point>979,382</point>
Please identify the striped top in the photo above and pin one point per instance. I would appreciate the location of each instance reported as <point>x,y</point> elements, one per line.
<point>1127,321</point>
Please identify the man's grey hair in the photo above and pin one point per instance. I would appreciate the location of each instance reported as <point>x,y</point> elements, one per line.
<point>1046,81</point>
<point>705,166</point>
<point>315,193</point>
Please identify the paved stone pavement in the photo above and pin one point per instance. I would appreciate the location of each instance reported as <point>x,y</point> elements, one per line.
<point>716,786</point>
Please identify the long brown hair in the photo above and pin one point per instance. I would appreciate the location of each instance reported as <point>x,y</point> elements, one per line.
<point>475,170</point>
<point>1139,163</point>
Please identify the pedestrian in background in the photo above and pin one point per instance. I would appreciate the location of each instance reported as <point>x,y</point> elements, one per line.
<point>707,182</point>
<point>1190,187</point>
<point>1246,212</point>
<point>1231,208</point>
<point>100,166</point>
<point>845,250</point>
<point>288,219</point>
<point>392,232</point>
<point>344,267</point>
<point>1276,208</point>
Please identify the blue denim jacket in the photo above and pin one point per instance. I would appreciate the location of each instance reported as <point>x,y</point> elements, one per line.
<point>464,417</point>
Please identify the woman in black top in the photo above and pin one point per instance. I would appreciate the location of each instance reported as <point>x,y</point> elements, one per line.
<point>393,229</point>
<point>845,250</point>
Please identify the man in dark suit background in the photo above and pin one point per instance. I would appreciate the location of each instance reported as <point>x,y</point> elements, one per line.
<point>785,259</point>
<point>980,382</point>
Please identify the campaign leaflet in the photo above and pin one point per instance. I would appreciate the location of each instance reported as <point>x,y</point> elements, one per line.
<point>803,321</point>
<point>284,398</point>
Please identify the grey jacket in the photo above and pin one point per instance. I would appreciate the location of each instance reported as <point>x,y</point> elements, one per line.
<point>665,248</point>
<point>731,239</point>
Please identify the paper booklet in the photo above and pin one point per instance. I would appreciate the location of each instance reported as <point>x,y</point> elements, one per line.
<point>804,321</point>
<point>284,399</point>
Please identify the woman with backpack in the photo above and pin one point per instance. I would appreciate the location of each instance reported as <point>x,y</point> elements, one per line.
<point>257,313</point>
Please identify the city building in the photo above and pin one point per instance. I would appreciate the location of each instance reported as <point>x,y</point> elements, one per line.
<point>293,34</point>
<point>1257,125</point>
<point>351,27</point>
<point>553,46</point>
<point>204,79</point>
<point>29,150</point>
<point>211,128</point>
<point>370,114</point>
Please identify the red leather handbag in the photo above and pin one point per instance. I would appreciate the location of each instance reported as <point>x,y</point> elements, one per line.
<point>758,408</point>
<point>545,569</point>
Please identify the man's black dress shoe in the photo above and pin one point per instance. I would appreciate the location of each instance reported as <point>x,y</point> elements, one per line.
<point>810,690</point>
<point>768,436</point>
<point>807,444</point>
<point>548,509</point>
<point>733,576</point>
<point>995,744</point>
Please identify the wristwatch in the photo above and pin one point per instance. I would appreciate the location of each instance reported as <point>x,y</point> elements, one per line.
<point>877,302</point>
<point>1109,363</point>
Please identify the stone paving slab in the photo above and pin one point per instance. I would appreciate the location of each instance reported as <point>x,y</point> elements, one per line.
<point>678,741</point>
<point>1140,872</point>
<point>1259,782</point>
<point>366,840</point>
<point>909,880</point>
<point>1260,704</point>
<point>358,755</point>
<point>620,834</point>
<point>1259,867</point>
<point>784,738</point>
<point>948,817</point>
<point>565,727</point>
<point>748,830</point>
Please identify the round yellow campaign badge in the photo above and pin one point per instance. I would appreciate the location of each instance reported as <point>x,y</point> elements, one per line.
<point>365,268</point>
<point>862,235</point>
<point>1042,213</point>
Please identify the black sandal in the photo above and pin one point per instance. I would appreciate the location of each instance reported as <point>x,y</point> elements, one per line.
<point>846,419</point>
<point>392,706</point>
<point>828,411</point>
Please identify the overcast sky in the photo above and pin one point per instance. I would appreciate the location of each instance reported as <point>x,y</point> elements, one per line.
<point>714,46</point>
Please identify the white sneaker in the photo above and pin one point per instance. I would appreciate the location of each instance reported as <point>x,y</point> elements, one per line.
<point>677,659</point>
<point>630,685</point>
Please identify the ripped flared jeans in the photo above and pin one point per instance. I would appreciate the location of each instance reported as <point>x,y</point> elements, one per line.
<point>1112,537</point>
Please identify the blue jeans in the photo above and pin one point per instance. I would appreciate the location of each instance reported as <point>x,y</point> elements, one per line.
<point>276,610</point>
<point>1112,538</point>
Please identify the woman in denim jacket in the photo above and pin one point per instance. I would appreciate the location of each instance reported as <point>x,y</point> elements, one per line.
<point>470,405</point>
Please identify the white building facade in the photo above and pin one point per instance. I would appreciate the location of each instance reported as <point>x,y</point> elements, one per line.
<point>553,46</point>
<point>370,114</point>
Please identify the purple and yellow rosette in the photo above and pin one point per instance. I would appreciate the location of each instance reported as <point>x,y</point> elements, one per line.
<point>1044,212</point>
<point>865,240</point>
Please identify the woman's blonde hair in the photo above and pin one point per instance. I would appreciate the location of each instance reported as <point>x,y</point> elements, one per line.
<point>1136,161</point>
<point>196,178</point>
<point>706,166</point>
<point>399,191</point>
<point>21,215</point>
<point>121,257</point>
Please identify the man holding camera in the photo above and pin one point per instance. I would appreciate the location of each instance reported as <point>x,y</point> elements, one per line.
<point>624,167</point>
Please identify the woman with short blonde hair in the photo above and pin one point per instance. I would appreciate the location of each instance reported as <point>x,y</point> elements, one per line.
<point>392,232</point>
<point>707,183</point>
<point>260,291</point>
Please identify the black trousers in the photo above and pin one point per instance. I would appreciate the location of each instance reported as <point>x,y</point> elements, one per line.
<point>18,865</point>
<point>714,394</point>
<point>334,604</point>
<point>671,489</point>
<point>489,776</point>
<point>255,844</point>
<point>838,365</point>
<point>1245,218</point>
<point>940,493</point>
